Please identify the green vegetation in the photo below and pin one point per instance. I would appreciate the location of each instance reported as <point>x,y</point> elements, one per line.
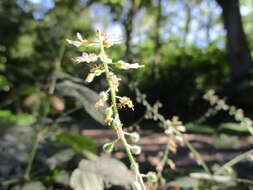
<point>186,79</point>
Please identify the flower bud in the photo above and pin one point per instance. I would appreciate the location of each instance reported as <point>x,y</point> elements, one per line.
<point>181,128</point>
<point>79,36</point>
<point>168,131</point>
<point>171,164</point>
<point>108,147</point>
<point>152,177</point>
<point>135,137</point>
<point>136,149</point>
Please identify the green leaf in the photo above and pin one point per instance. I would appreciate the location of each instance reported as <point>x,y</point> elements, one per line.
<point>111,170</point>
<point>185,182</point>
<point>233,127</point>
<point>7,115</point>
<point>77,141</point>
<point>24,119</point>
<point>87,96</point>
<point>199,128</point>
<point>224,141</point>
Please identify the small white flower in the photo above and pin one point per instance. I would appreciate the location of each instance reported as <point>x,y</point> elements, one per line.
<point>105,58</point>
<point>181,128</point>
<point>124,65</point>
<point>79,37</point>
<point>82,42</point>
<point>85,57</point>
<point>94,72</point>
<point>168,131</point>
<point>74,42</point>
<point>90,77</point>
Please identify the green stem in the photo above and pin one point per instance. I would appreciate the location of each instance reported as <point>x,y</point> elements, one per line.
<point>115,109</point>
<point>131,158</point>
<point>32,156</point>
<point>195,153</point>
<point>234,161</point>
<point>9,182</point>
<point>248,181</point>
<point>164,159</point>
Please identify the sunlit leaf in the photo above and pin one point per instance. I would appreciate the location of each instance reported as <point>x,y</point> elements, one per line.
<point>111,170</point>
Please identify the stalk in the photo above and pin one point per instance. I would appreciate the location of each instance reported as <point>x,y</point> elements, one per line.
<point>195,153</point>
<point>234,161</point>
<point>122,137</point>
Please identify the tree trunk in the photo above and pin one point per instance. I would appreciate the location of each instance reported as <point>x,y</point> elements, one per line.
<point>238,51</point>
<point>209,22</point>
<point>187,22</point>
<point>128,25</point>
<point>157,33</point>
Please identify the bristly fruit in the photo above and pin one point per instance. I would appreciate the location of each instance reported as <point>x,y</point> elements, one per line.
<point>108,147</point>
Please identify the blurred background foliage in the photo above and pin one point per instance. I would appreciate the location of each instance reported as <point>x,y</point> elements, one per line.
<point>182,44</point>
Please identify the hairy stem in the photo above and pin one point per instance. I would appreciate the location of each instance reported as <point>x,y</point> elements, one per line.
<point>188,144</point>
<point>134,165</point>
<point>195,153</point>
<point>164,159</point>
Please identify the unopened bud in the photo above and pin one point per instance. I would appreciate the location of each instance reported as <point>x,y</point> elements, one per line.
<point>136,149</point>
<point>135,137</point>
<point>152,177</point>
<point>108,147</point>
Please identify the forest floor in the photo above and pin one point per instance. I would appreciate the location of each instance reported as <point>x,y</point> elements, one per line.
<point>152,143</point>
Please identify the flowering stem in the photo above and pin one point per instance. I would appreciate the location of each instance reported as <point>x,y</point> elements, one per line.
<point>116,114</point>
<point>161,118</point>
<point>164,159</point>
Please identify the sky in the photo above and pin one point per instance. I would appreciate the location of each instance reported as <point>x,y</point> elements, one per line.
<point>41,7</point>
<point>104,21</point>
